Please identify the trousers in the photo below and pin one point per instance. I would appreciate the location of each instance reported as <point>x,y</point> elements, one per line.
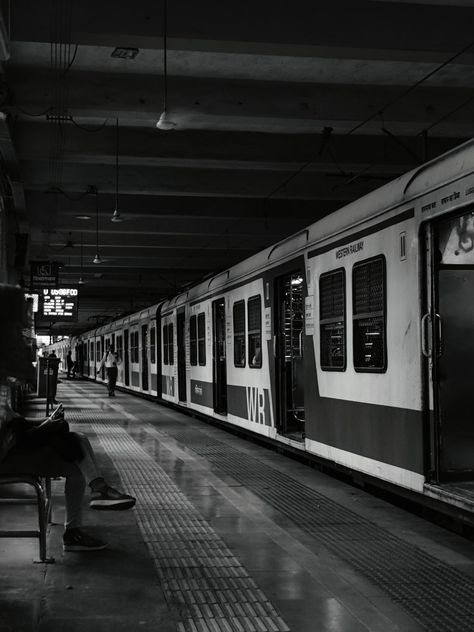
<point>112,372</point>
<point>44,461</point>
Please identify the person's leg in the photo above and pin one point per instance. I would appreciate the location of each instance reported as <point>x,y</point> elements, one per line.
<point>44,461</point>
<point>103,496</point>
<point>108,371</point>
<point>112,379</point>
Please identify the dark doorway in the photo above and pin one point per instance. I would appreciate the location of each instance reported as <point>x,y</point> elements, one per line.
<point>181,356</point>
<point>219,357</point>
<point>144,357</point>
<point>289,326</point>
<point>126,359</point>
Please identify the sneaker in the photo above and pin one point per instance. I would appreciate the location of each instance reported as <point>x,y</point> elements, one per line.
<point>77,540</point>
<point>110,498</point>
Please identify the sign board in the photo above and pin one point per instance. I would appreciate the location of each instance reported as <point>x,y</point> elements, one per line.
<point>58,304</point>
<point>43,274</point>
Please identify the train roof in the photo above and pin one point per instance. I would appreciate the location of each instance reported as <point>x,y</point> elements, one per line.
<point>390,196</point>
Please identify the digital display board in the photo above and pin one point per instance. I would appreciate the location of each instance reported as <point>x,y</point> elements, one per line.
<point>59,304</point>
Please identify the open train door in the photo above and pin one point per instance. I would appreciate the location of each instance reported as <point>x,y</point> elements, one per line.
<point>448,345</point>
<point>181,353</point>
<point>219,358</point>
<point>289,358</point>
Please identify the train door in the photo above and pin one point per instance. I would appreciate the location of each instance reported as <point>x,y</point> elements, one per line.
<point>80,358</point>
<point>448,344</point>
<point>289,359</point>
<point>219,357</point>
<point>144,358</point>
<point>126,359</point>
<point>181,355</point>
<point>101,353</point>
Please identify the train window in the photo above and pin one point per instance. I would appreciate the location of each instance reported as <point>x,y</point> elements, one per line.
<point>134,346</point>
<point>368,309</point>
<point>120,347</point>
<point>153,345</point>
<point>92,352</point>
<point>170,344</point>
<point>332,320</point>
<point>254,326</point>
<point>239,333</point>
<point>97,350</point>
<point>202,339</point>
<point>193,340</point>
<point>165,344</point>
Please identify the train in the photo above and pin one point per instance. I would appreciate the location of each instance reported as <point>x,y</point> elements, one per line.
<point>349,342</point>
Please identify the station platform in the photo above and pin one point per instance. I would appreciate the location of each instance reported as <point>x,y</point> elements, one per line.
<point>228,536</point>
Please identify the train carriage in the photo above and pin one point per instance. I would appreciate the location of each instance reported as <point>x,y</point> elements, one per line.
<point>351,341</point>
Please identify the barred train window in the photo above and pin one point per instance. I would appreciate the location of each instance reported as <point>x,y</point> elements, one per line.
<point>332,320</point>
<point>120,347</point>
<point>153,345</point>
<point>137,338</point>
<point>170,343</point>
<point>368,308</point>
<point>239,333</point>
<point>254,326</point>
<point>165,344</point>
<point>202,338</point>
<point>193,340</point>
<point>91,355</point>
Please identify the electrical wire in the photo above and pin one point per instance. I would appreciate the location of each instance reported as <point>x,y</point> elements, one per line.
<point>380,113</point>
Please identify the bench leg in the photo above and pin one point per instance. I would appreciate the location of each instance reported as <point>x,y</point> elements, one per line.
<point>44,512</point>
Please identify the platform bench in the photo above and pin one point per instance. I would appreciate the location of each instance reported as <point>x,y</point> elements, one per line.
<point>41,485</point>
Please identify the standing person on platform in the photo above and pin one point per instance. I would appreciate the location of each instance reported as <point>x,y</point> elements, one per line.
<point>111,360</point>
<point>70,365</point>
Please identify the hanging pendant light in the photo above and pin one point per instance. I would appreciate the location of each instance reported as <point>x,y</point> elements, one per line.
<point>116,217</point>
<point>81,278</point>
<point>164,122</point>
<point>97,258</point>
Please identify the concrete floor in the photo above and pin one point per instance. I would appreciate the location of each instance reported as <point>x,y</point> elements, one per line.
<point>226,535</point>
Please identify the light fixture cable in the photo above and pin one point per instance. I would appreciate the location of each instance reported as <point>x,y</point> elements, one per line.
<point>81,277</point>
<point>164,123</point>
<point>116,215</point>
<point>97,258</point>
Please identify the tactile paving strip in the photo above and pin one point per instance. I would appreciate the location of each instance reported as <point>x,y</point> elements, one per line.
<point>201,578</point>
<point>439,596</point>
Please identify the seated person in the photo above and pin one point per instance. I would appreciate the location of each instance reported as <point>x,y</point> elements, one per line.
<point>47,448</point>
<point>257,357</point>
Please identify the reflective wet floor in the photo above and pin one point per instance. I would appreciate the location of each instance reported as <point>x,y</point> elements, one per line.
<point>227,535</point>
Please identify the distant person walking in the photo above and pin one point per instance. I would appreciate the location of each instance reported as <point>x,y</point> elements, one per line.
<point>71,366</point>
<point>111,360</point>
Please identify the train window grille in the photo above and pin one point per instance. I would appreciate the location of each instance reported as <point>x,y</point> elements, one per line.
<point>193,340</point>
<point>293,310</point>
<point>239,333</point>
<point>332,320</point>
<point>170,344</point>
<point>120,347</point>
<point>368,303</point>
<point>202,339</point>
<point>98,355</point>
<point>153,345</point>
<point>133,346</point>
<point>165,344</point>
<point>254,326</point>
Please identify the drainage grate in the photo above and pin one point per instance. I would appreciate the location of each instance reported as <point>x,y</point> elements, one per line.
<point>437,595</point>
<point>201,578</point>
